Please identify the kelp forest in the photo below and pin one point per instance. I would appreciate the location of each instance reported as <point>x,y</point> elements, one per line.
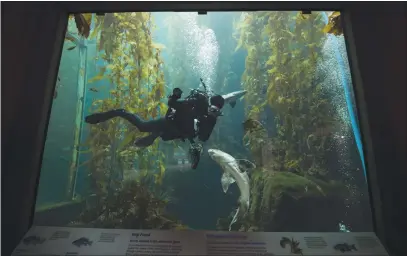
<point>289,131</point>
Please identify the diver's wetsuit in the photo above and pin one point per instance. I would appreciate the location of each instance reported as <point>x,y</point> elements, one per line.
<point>170,127</point>
<point>183,112</point>
<point>155,127</point>
<point>178,123</point>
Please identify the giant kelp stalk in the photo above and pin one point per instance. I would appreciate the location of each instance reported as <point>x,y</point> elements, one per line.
<point>303,113</point>
<point>133,71</point>
<point>250,36</point>
<point>254,79</point>
<point>285,73</point>
<point>135,206</point>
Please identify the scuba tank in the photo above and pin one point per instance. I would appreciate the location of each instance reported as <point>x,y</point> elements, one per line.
<point>202,98</point>
<point>199,94</point>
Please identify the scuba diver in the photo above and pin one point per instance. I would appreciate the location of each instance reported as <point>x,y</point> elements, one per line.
<point>179,121</point>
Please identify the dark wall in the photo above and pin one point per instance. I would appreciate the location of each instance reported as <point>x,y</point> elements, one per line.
<point>29,37</point>
<point>380,40</point>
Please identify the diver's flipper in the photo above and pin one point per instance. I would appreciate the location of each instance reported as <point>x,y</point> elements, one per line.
<point>232,104</point>
<point>147,140</point>
<point>98,117</point>
<point>226,181</point>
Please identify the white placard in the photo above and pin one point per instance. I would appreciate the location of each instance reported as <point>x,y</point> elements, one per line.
<point>86,241</point>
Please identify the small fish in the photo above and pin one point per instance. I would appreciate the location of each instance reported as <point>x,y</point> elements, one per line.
<point>294,245</point>
<point>66,148</point>
<point>285,241</point>
<point>93,89</point>
<point>345,247</point>
<point>56,87</point>
<point>71,48</point>
<point>251,125</point>
<point>70,38</point>
<point>82,241</point>
<point>33,240</point>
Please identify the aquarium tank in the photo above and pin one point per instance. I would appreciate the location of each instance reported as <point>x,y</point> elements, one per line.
<point>240,121</point>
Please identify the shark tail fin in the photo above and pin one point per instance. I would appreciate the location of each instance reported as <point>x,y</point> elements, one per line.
<point>234,220</point>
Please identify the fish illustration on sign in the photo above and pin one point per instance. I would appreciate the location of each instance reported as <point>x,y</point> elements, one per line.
<point>294,245</point>
<point>34,240</point>
<point>82,241</point>
<point>345,247</point>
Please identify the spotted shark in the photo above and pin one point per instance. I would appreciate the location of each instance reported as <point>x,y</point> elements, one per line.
<point>231,98</point>
<point>234,171</point>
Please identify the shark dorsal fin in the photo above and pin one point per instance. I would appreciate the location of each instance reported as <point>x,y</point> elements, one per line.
<point>245,165</point>
<point>226,181</point>
<point>232,104</point>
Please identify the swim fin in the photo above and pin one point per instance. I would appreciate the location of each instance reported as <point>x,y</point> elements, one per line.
<point>147,140</point>
<point>103,116</point>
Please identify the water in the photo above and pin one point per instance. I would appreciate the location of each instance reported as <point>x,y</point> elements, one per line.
<point>297,162</point>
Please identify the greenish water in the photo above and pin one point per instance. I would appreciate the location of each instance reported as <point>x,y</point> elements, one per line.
<point>308,174</point>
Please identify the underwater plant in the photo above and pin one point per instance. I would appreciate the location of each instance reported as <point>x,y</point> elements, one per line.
<point>83,22</point>
<point>249,36</point>
<point>334,25</point>
<point>137,204</point>
<point>279,200</point>
<point>302,114</point>
<point>283,49</point>
<point>254,79</point>
<point>78,28</point>
<point>131,79</point>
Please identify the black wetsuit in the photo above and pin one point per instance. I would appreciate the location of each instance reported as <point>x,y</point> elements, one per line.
<point>178,125</point>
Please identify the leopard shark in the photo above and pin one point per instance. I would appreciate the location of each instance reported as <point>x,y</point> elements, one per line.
<point>231,98</point>
<point>232,172</point>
